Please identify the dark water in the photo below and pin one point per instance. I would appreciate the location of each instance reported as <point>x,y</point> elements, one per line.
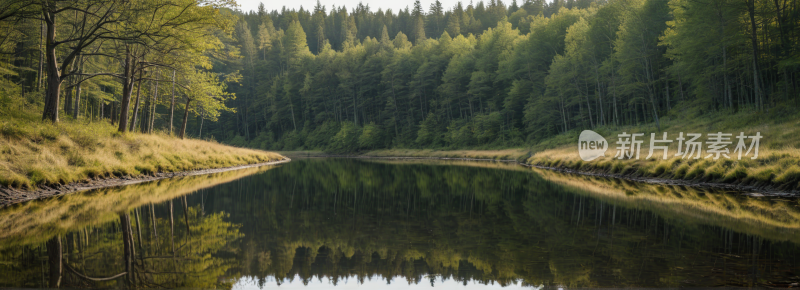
<point>325,223</point>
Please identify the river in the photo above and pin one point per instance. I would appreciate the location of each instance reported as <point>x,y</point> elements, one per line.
<point>324,223</point>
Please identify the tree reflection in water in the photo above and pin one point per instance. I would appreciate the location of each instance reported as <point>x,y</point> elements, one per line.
<point>419,222</point>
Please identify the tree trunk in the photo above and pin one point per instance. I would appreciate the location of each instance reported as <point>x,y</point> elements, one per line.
<point>186,216</point>
<point>185,117</point>
<point>172,103</point>
<point>588,105</point>
<point>53,74</point>
<point>136,105</point>
<point>139,232</point>
<point>200,132</point>
<point>54,259</point>
<point>68,98</point>
<point>291,107</point>
<point>153,219</point>
<point>39,74</point>
<point>127,242</point>
<point>617,122</point>
<point>725,75</point>
<point>146,110</point>
<point>754,42</point>
<point>127,88</point>
<point>602,120</point>
<point>172,227</point>
<point>651,92</point>
<point>727,88</point>
<point>77,93</point>
<point>154,103</point>
<point>666,88</point>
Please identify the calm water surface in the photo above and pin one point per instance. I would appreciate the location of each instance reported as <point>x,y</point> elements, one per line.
<point>372,224</point>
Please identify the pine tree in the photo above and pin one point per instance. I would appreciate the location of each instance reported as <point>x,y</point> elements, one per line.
<point>435,18</point>
<point>419,31</point>
<point>453,26</point>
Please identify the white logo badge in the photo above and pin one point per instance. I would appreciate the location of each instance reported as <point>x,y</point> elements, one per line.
<point>591,145</point>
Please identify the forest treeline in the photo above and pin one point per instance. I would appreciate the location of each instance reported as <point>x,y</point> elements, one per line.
<point>347,79</point>
<point>497,75</point>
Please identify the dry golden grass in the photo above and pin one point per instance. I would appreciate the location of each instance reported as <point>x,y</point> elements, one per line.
<point>777,165</point>
<point>503,154</point>
<point>33,152</point>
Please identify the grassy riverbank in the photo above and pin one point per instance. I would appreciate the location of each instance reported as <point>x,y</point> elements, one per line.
<point>35,153</point>
<point>777,165</point>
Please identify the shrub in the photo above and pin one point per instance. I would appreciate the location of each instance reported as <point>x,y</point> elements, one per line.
<point>346,140</point>
<point>370,137</point>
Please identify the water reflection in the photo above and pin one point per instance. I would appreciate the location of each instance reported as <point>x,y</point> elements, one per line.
<point>331,221</point>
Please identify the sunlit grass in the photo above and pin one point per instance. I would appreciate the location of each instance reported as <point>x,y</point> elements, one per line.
<point>778,162</point>
<point>35,153</point>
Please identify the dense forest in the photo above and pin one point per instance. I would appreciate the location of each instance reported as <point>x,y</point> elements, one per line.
<point>495,75</point>
<point>347,79</point>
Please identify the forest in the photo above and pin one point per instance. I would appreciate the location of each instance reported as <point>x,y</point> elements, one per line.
<point>494,75</point>
<point>347,79</point>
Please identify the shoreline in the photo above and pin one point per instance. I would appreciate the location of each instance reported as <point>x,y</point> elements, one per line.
<point>747,190</point>
<point>11,196</point>
<point>764,190</point>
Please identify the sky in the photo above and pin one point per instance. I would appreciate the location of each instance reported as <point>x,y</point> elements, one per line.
<point>395,5</point>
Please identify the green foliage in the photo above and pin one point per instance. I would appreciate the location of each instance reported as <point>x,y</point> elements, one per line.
<point>460,134</point>
<point>346,140</point>
<point>322,135</point>
<point>371,137</point>
<point>430,133</point>
<point>476,76</point>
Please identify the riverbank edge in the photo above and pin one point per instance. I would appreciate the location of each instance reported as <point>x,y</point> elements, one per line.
<point>504,155</point>
<point>755,190</point>
<point>747,190</point>
<point>10,196</point>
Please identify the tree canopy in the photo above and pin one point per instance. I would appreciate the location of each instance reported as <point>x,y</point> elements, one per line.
<point>470,76</point>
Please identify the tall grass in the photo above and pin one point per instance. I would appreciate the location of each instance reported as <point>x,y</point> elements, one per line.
<point>35,153</point>
<point>777,165</point>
